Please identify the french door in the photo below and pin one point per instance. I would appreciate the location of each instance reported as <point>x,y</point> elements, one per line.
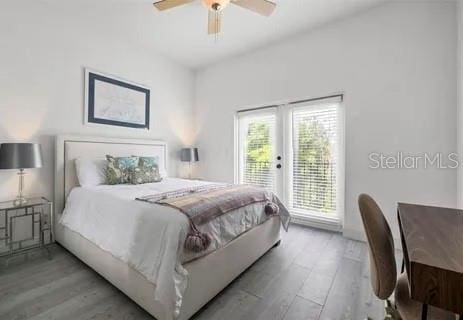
<point>259,149</point>
<point>296,151</point>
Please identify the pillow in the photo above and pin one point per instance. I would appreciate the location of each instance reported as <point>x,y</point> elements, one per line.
<point>117,171</point>
<point>148,161</point>
<point>139,175</point>
<point>90,172</point>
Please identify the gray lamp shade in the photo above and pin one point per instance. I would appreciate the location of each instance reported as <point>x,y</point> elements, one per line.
<point>20,156</point>
<point>189,155</point>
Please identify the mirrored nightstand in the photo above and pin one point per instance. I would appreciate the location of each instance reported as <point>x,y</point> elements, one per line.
<point>25,227</point>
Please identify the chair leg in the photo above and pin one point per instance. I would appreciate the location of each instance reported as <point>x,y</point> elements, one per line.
<point>391,311</point>
<point>424,312</point>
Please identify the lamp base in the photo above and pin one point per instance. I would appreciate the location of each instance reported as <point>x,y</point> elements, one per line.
<point>19,201</point>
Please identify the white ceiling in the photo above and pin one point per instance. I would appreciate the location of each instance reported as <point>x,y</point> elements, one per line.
<point>181,33</point>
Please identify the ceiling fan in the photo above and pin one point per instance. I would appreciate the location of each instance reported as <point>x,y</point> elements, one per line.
<point>215,7</point>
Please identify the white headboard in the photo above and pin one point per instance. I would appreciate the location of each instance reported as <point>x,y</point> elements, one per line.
<point>70,147</point>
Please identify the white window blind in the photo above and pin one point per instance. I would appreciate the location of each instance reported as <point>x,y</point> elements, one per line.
<point>256,149</point>
<point>315,148</point>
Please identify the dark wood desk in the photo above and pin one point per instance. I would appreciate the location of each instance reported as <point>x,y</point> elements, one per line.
<point>432,242</point>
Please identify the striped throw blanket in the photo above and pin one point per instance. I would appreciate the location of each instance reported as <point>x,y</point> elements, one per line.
<point>205,203</point>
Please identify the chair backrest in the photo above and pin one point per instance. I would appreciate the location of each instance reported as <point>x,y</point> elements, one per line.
<point>383,270</point>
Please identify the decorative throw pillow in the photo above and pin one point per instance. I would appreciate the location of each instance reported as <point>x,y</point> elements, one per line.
<point>148,161</point>
<point>151,161</point>
<point>118,169</point>
<point>139,175</point>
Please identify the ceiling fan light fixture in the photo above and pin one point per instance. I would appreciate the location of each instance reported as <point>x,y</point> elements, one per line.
<point>215,5</point>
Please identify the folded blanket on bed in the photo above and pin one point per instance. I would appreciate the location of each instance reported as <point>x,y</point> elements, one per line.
<point>205,203</point>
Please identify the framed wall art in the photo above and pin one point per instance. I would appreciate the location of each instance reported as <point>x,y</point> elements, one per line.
<point>116,102</point>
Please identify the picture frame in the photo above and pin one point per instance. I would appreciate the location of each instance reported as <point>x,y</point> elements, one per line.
<point>116,102</point>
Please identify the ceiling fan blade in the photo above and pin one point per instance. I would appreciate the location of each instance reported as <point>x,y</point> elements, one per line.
<point>215,21</point>
<point>168,4</point>
<point>263,7</point>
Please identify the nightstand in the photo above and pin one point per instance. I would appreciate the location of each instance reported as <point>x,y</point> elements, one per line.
<point>25,227</point>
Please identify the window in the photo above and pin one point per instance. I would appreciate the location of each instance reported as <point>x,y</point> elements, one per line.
<point>256,141</point>
<point>315,158</point>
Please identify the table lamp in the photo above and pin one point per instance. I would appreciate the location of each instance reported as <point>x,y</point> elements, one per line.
<point>189,155</point>
<point>20,156</point>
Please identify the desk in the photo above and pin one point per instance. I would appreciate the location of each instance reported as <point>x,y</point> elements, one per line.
<point>432,242</point>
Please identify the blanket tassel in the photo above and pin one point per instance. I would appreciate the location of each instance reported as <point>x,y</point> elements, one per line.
<point>197,241</point>
<point>271,209</point>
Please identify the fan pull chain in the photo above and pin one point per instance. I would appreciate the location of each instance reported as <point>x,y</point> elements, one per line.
<point>217,26</point>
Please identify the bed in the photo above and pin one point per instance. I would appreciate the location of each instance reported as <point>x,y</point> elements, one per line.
<point>207,274</point>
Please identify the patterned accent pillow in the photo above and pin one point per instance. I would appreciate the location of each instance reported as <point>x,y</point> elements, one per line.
<point>148,161</point>
<point>118,169</point>
<point>139,175</point>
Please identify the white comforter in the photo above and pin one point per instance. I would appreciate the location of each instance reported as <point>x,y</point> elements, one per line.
<point>150,237</point>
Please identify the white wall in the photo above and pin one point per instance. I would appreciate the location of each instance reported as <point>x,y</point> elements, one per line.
<point>459,86</point>
<point>44,48</point>
<point>396,65</point>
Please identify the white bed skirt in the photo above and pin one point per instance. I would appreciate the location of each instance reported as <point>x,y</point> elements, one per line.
<point>207,275</point>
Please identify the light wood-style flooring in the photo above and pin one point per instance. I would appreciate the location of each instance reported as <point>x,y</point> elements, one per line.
<point>313,274</point>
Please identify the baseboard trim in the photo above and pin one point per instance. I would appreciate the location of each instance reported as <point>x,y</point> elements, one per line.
<point>360,236</point>
<point>319,224</point>
<point>354,234</point>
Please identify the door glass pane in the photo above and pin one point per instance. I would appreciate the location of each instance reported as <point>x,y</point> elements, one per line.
<point>315,142</point>
<point>257,150</point>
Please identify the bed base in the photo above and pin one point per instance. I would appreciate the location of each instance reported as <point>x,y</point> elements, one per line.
<point>207,275</point>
